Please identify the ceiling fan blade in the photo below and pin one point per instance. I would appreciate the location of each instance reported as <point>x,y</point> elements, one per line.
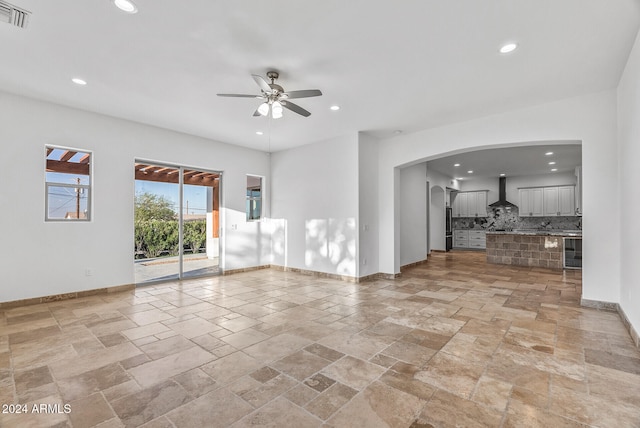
<point>303,94</point>
<point>295,108</point>
<point>262,83</point>
<point>240,95</point>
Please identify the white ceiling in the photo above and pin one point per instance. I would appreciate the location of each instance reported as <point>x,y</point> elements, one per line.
<point>391,65</point>
<point>511,161</point>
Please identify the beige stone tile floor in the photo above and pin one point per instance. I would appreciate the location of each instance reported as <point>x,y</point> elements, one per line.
<point>453,342</point>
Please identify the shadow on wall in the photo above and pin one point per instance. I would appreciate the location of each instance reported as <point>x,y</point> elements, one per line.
<point>279,242</point>
<point>248,243</point>
<point>330,245</point>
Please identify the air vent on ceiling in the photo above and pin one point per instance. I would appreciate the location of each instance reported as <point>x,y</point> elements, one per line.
<point>13,15</point>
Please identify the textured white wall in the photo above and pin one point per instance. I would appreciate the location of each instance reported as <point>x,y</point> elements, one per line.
<point>629,139</point>
<point>315,206</point>
<point>413,213</point>
<point>39,259</point>
<point>437,218</point>
<point>368,208</point>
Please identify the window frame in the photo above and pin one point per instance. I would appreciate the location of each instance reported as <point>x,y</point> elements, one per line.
<point>251,200</point>
<point>88,188</point>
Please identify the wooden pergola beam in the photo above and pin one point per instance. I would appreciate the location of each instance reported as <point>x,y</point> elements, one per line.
<point>67,167</point>
<point>163,174</point>
<point>67,155</point>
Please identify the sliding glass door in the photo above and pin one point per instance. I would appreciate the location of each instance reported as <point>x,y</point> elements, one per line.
<point>200,223</point>
<point>176,222</point>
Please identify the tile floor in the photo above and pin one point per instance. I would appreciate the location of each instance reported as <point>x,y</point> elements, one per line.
<point>454,342</point>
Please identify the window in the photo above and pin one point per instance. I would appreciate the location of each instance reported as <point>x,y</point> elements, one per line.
<point>254,197</point>
<point>68,184</point>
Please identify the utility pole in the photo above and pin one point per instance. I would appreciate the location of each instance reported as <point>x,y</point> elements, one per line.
<point>79,191</point>
<point>78,200</point>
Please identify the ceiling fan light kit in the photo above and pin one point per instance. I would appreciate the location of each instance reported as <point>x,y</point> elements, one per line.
<point>276,110</point>
<point>275,98</point>
<point>264,109</point>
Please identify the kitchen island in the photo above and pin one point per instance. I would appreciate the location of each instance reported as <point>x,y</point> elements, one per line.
<point>540,248</point>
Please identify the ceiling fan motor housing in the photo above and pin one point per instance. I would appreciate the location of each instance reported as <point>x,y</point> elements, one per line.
<point>277,89</point>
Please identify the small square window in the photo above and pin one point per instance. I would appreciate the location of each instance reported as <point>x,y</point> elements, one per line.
<point>254,198</point>
<point>68,184</point>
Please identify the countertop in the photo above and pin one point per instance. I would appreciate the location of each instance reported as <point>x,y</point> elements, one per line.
<point>538,232</point>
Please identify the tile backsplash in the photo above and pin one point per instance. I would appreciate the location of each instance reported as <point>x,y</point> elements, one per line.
<point>500,218</point>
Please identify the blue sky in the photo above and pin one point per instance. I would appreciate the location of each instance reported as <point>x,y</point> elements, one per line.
<point>196,195</point>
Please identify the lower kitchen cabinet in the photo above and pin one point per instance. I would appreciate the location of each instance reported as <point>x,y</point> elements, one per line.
<point>460,238</point>
<point>463,238</point>
<point>477,239</point>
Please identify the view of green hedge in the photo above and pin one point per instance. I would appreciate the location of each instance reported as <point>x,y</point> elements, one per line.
<point>160,237</point>
<point>156,228</point>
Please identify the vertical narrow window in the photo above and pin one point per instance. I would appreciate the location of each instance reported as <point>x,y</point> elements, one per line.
<point>254,197</point>
<point>68,184</point>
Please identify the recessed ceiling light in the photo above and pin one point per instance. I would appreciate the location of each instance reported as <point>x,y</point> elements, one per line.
<point>470,172</point>
<point>548,153</point>
<point>456,164</point>
<point>509,47</point>
<point>552,163</point>
<point>502,174</point>
<point>79,81</point>
<point>460,178</point>
<point>259,132</point>
<point>554,169</point>
<point>334,108</point>
<point>126,6</point>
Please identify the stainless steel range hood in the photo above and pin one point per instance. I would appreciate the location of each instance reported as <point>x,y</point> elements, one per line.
<point>502,194</point>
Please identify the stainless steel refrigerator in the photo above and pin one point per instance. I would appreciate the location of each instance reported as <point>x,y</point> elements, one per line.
<point>448,234</point>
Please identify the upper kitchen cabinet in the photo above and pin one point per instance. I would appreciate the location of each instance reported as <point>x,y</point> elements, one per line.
<point>531,202</point>
<point>550,201</point>
<point>470,204</point>
<point>566,200</point>
<point>480,204</point>
<point>547,201</point>
<point>460,206</point>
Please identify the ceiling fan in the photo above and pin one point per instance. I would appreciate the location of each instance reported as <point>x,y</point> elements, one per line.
<point>275,97</point>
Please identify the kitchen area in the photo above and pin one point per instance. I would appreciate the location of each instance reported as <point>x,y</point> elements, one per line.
<point>525,220</point>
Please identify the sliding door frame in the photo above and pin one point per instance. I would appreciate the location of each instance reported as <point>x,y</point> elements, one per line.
<point>181,169</point>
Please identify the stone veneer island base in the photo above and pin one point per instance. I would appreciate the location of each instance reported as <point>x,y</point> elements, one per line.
<point>507,248</point>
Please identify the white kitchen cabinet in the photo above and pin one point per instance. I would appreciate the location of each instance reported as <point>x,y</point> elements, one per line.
<point>559,201</point>
<point>477,239</point>
<point>481,204</point>
<point>567,200</point>
<point>460,205</point>
<point>550,202</point>
<point>470,204</point>
<point>531,202</point>
<point>460,238</point>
